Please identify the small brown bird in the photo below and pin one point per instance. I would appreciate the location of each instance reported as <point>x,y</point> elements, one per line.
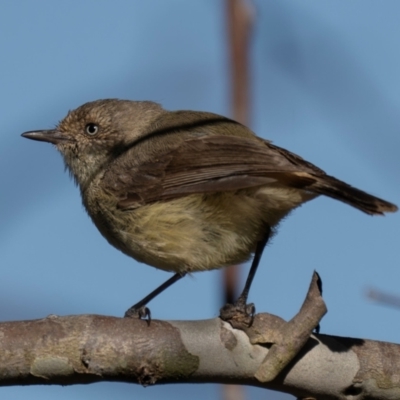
<point>186,191</point>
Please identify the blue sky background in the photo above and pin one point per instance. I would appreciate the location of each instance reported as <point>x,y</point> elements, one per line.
<point>326,85</point>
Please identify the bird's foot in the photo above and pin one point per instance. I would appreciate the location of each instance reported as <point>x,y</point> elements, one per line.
<point>141,312</point>
<point>238,313</point>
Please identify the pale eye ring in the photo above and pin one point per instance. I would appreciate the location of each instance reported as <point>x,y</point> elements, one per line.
<point>91,129</point>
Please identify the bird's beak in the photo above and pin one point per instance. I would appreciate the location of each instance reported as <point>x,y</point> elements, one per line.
<point>51,136</point>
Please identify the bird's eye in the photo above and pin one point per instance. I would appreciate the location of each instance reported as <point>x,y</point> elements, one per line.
<point>91,129</point>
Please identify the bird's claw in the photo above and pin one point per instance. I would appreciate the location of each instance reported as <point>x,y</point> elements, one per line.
<point>142,312</point>
<point>239,312</point>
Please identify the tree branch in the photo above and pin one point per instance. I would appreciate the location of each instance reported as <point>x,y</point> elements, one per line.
<point>271,353</point>
<point>92,348</point>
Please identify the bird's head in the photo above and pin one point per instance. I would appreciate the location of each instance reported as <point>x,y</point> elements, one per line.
<point>95,133</point>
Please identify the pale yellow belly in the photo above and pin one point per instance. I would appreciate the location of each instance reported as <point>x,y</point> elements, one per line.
<point>197,232</point>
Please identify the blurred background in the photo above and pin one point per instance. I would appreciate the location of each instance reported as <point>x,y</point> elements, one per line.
<point>324,83</point>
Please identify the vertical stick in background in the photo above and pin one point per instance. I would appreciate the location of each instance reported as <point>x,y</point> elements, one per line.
<point>239,20</point>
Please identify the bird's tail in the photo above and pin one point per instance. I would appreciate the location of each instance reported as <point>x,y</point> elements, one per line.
<point>332,187</point>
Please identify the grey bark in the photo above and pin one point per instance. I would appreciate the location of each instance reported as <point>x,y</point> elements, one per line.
<point>92,348</point>
<point>271,353</point>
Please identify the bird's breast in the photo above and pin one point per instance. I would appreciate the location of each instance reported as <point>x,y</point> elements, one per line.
<point>192,233</point>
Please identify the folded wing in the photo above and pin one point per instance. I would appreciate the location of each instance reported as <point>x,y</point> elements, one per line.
<point>227,163</point>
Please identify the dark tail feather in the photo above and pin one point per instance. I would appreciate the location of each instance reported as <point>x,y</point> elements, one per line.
<point>332,187</point>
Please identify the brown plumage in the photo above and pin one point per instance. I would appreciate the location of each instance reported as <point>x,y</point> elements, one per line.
<point>186,191</point>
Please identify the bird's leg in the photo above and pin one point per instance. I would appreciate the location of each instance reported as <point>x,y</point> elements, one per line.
<point>240,306</point>
<point>140,310</point>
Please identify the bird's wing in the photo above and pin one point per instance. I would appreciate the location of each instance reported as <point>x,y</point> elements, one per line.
<point>209,164</point>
